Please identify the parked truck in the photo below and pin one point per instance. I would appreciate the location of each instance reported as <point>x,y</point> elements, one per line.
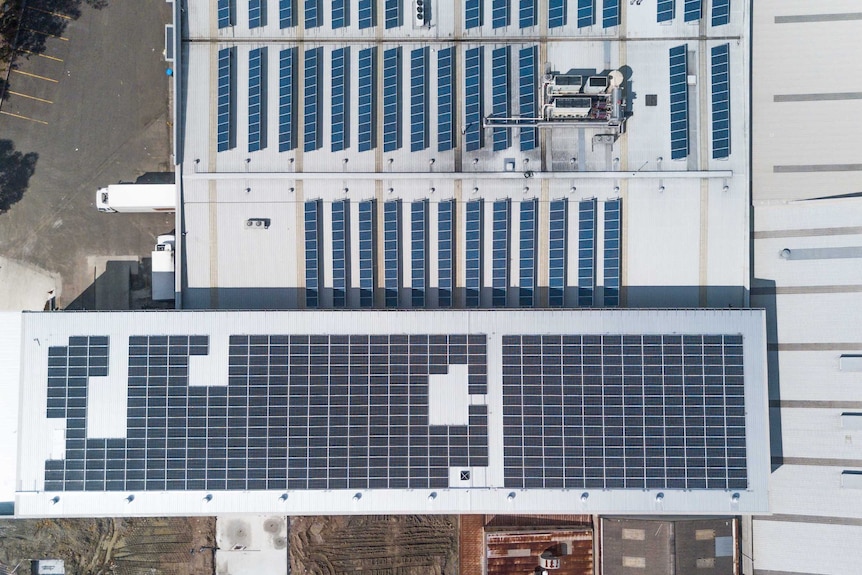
<point>163,268</point>
<point>137,198</point>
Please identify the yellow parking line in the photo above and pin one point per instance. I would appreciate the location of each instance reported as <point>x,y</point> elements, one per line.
<point>22,117</point>
<point>30,97</point>
<point>35,76</point>
<point>46,34</point>
<point>57,14</point>
<point>40,55</point>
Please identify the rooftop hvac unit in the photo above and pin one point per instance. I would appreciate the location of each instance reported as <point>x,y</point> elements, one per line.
<point>570,108</point>
<point>420,13</point>
<point>565,84</point>
<point>596,85</point>
<point>257,223</point>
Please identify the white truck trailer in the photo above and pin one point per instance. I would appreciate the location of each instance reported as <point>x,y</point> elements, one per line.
<point>137,198</point>
<point>163,268</point>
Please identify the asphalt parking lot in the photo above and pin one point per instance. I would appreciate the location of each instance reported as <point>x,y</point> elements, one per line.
<point>86,106</point>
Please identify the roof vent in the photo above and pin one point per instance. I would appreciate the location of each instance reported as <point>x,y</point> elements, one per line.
<point>549,560</point>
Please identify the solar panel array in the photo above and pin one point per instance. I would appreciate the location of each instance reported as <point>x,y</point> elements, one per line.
<point>611,13</point>
<point>500,96</point>
<point>473,253</point>
<point>392,14</point>
<point>586,252</point>
<point>391,251</point>
<point>367,246</point>
<point>586,13</point>
<point>557,254</point>
<point>340,99</point>
<point>612,253</point>
<point>340,251</point>
<point>721,101</point>
<point>340,14</point>
<point>286,98</point>
<point>367,108</point>
<point>720,12</point>
<point>527,62</point>
<point>500,252</point>
<point>226,103</point>
<point>256,14</point>
<point>418,252</point>
<point>392,99</point>
<point>665,10</point>
<point>678,102</point>
<point>313,14</point>
<point>624,411</point>
<point>313,110</point>
<point>500,14</point>
<point>557,13</point>
<point>419,99</point>
<point>367,13</point>
<point>256,99</point>
<point>474,13</point>
<point>286,13</point>
<point>474,98</point>
<point>445,100</point>
<point>692,10</point>
<point>527,14</point>
<point>528,252</point>
<point>224,14</point>
<point>445,252</point>
<point>313,267</point>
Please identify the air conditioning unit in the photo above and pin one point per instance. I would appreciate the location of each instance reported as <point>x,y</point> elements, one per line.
<point>421,13</point>
<point>257,224</point>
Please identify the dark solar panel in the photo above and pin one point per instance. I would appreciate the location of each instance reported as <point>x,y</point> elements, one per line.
<point>527,86</point>
<point>500,13</point>
<point>473,253</point>
<point>612,253</point>
<point>720,12</point>
<point>391,251</point>
<point>501,95</point>
<point>313,269</point>
<point>340,14</point>
<point>225,119</point>
<point>445,102</point>
<point>393,17</point>
<point>286,13</point>
<point>678,102</point>
<point>500,252</point>
<point>528,252</point>
<point>721,101</point>
<point>557,253</point>
<point>256,99</point>
<point>474,96</point>
<point>340,252</point>
<point>392,99</point>
<point>586,13</point>
<point>557,13</point>
<point>692,10</point>
<point>367,14</point>
<point>256,13</point>
<point>367,100</point>
<point>419,99</point>
<point>445,247</point>
<point>313,109</point>
<point>527,14</point>
<point>665,10</point>
<point>474,13</point>
<point>586,252</point>
<point>367,241</point>
<point>418,249</point>
<point>611,13</point>
<point>225,14</point>
<point>286,99</point>
<point>313,14</point>
<point>340,99</point>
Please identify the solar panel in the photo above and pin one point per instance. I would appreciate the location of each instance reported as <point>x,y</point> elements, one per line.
<point>286,93</point>
<point>474,13</point>
<point>678,102</point>
<point>665,10</point>
<point>418,251</point>
<point>312,253</point>
<point>367,14</point>
<point>500,96</point>
<point>256,100</point>
<point>557,13</point>
<point>367,100</point>
<point>500,252</point>
<point>340,251</point>
<point>286,13</point>
<point>367,241</point>
<point>612,253</point>
<point>692,10</point>
<point>226,99</point>
<point>611,13</point>
<point>445,249</point>
<point>419,99</point>
<point>392,11</point>
<point>256,13</point>
<point>586,252</point>
<point>500,13</point>
<point>527,13</point>
<point>557,231</point>
<point>586,13</point>
<point>721,101</point>
<point>527,94</point>
<point>392,99</point>
<point>313,14</point>
<point>225,14</point>
<point>473,253</point>
<point>527,259</point>
<point>313,112</point>
<point>445,102</point>
<point>473,94</point>
<point>720,12</point>
<point>340,14</point>
<point>340,99</point>
<point>392,251</point>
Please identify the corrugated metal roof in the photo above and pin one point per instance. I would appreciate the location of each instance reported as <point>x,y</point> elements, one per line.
<point>10,364</point>
<point>520,553</point>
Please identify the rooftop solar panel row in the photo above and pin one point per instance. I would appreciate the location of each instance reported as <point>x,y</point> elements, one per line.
<point>527,87</point>
<point>225,14</point>
<point>367,13</point>
<point>528,252</point>
<point>527,16</point>
<point>392,105</point>
<point>474,96</point>
<point>418,252</point>
<point>665,10</point>
<point>586,13</point>
<point>313,110</point>
<point>473,253</point>
<point>286,99</point>
<point>340,14</point>
<point>612,253</point>
<point>313,267</point>
<point>445,100</point>
<point>474,13</point>
<point>500,13</point>
<point>393,16</point>
<point>721,101</point>
<point>367,101</point>
<point>679,102</point>
<point>557,253</point>
<point>720,12</point>
<point>611,14</point>
<point>557,13</point>
<point>340,252</point>
<point>501,95</point>
<point>340,99</point>
<point>445,251</point>
<point>286,13</point>
<point>586,252</point>
<point>692,10</point>
<point>256,13</point>
<point>391,252</point>
<point>225,119</point>
<point>256,99</point>
<point>367,247</point>
<point>313,14</point>
<point>419,99</point>
<point>500,252</point>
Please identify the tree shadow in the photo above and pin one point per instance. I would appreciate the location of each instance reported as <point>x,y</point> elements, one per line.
<point>16,169</point>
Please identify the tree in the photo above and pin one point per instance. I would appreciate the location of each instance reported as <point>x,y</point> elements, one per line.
<point>15,171</point>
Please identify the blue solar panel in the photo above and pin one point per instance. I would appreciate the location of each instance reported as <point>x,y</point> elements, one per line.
<point>313,14</point>
<point>720,12</point>
<point>692,10</point>
<point>557,13</point>
<point>445,247</point>
<point>226,105</point>
<point>474,13</point>
<point>500,96</point>
<point>527,14</point>
<point>340,14</point>
<point>392,99</point>
<point>678,102</point>
<point>721,101</point>
<point>340,243</point>
<point>473,253</point>
<point>256,100</point>
<point>586,13</point>
<point>312,253</point>
<point>286,93</point>
<point>225,14</point>
<point>500,13</point>
<point>527,94</point>
<point>611,14</point>
<point>529,223</point>
<point>473,93</point>
<point>286,13</point>
<point>419,99</point>
<point>392,251</point>
<point>313,58</point>
<point>418,251</point>
<point>366,253</point>
<point>256,13</point>
<point>367,107</point>
<point>665,10</point>
<point>586,252</point>
<point>500,252</point>
<point>557,231</point>
<point>392,12</point>
<point>445,103</point>
<point>367,13</point>
<point>612,253</point>
<point>340,99</point>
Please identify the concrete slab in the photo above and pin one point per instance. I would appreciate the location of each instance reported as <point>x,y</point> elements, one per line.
<point>251,544</point>
<point>25,286</point>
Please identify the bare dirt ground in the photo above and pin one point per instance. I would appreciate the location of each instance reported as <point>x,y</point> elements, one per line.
<point>374,545</point>
<point>131,546</point>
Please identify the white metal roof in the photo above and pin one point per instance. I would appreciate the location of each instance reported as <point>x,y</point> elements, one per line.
<point>10,365</point>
